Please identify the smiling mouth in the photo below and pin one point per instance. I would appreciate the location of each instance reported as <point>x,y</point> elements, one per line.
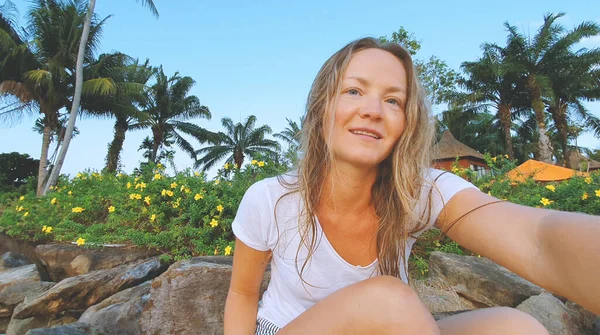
<point>365,133</point>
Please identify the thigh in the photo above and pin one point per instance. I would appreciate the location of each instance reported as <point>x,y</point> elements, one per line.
<point>491,321</point>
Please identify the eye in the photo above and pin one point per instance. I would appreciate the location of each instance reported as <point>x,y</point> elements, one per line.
<point>393,101</point>
<point>352,91</point>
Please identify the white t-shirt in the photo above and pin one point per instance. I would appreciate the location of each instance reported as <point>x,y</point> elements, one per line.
<point>326,272</point>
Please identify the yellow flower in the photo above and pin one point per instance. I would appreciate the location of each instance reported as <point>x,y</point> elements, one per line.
<point>26,214</point>
<point>227,250</point>
<point>546,202</point>
<point>217,182</point>
<point>157,176</point>
<point>48,230</point>
<point>153,217</point>
<point>53,201</point>
<point>176,203</point>
<point>584,196</point>
<point>147,200</point>
<point>136,179</point>
<point>214,223</point>
<point>22,198</point>
<point>588,180</point>
<point>80,241</point>
<point>220,208</point>
<point>141,186</point>
<point>551,188</point>
<point>187,190</point>
<point>198,196</point>
<point>44,229</point>
<point>254,161</point>
<point>494,159</point>
<point>216,251</point>
<point>135,196</point>
<point>119,175</point>
<point>173,185</point>
<point>111,209</point>
<point>128,185</point>
<point>597,193</point>
<point>77,210</point>
<point>261,164</point>
<point>70,193</point>
<point>236,166</point>
<point>170,193</point>
<point>19,208</point>
<point>506,156</point>
<point>163,192</point>
<point>79,175</point>
<point>160,166</point>
<point>226,166</point>
<point>182,188</point>
<point>196,173</point>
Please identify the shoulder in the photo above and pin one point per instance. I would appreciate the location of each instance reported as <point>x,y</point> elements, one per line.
<point>445,181</point>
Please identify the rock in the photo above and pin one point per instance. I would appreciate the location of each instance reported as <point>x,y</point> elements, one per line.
<point>77,328</point>
<point>80,292</point>
<point>552,313</point>
<point>62,261</point>
<point>170,309</point>
<point>13,260</point>
<point>586,319</point>
<point>120,313</point>
<point>4,324</point>
<point>15,294</point>
<point>20,327</point>
<point>22,274</point>
<point>480,280</point>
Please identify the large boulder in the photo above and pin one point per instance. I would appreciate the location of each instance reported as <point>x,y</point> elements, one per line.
<point>120,313</point>
<point>553,314</point>
<point>170,309</point>
<point>13,260</point>
<point>63,261</point>
<point>11,296</point>
<point>80,292</point>
<point>10,277</point>
<point>480,280</point>
<point>77,328</point>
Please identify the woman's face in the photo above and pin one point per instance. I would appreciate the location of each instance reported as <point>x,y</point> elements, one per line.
<point>369,114</point>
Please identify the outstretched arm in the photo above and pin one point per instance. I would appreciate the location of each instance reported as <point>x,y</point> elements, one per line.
<point>558,251</point>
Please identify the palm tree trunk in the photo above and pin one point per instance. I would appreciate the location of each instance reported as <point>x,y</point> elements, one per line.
<point>505,120</point>
<point>544,145</point>
<point>76,97</point>
<point>44,157</point>
<point>156,141</point>
<point>238,158</point>
<point>559,115</point>
<point>115,147</point>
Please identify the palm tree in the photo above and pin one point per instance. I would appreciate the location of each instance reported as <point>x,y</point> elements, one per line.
<point>536,59</point>
<point>577,80</point>
<point>169,107</point>
<point>291,135</point>
<point>81,55</point>
<point>38,68</point>
<point>493,82</point>
<point>123,104</point>
<point>239,141</point>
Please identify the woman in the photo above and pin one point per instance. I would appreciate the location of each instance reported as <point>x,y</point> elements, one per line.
<point>338,231</point>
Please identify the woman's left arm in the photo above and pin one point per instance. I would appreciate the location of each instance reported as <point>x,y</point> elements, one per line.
<point>558,251</point>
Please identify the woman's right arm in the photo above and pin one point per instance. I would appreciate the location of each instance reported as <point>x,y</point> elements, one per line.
<point>247,274</point>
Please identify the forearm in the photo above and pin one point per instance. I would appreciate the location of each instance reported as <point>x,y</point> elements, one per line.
<point>570,257</point>
<point>240,314</point>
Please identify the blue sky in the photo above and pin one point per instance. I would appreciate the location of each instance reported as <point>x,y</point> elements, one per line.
<point>260,57</point>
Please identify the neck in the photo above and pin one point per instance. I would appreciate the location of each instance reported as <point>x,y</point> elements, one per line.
<point>347,190</point>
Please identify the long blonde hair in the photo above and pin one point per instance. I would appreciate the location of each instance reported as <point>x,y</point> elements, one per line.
<point>401,175</point>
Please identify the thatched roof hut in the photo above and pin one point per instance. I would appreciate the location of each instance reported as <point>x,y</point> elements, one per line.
<point>449,148</point>
<point>582,163</point>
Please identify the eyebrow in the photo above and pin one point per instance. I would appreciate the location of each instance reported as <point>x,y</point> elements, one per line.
<point>365,82</point>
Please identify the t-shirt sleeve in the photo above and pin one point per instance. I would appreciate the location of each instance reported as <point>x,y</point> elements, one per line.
<point>445,186</point>
<point>253,218</point>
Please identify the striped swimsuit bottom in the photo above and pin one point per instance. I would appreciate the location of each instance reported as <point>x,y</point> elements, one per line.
<point>265,327</point>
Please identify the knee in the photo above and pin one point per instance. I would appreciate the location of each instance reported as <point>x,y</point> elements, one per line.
<point>390,293</point>
<point>522,323</point>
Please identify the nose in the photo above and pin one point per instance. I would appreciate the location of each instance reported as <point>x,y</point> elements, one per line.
<point>372,108</point>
